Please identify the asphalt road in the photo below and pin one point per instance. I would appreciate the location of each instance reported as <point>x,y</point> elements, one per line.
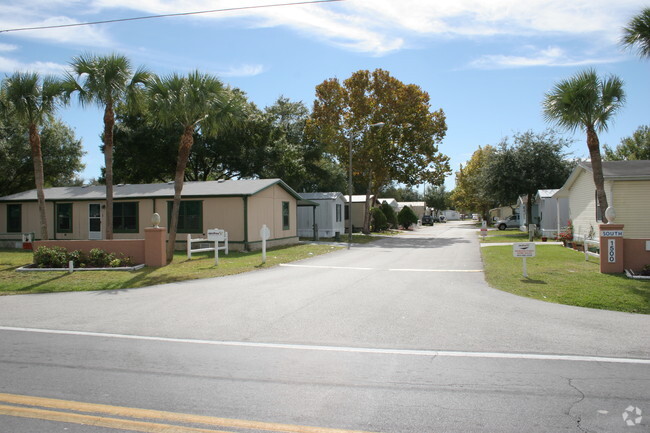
<point>401,335</point>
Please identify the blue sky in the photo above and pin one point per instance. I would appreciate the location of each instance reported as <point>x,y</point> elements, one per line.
<point>486,63</point>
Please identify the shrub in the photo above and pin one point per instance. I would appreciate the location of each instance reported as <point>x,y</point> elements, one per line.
<point>378,220</point>
<point>98,258</point>
<point>78,257</point>
<point>55,257</point>
<point>406,217</point>
<point>58,257</point>
<point>389,212</point>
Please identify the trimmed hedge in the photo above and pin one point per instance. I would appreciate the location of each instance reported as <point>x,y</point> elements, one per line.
<point>378,220</point>
<point>58,257</point>
<point>407,217</point>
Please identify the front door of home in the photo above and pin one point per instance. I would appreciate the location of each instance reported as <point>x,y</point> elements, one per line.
<point>94,221</point>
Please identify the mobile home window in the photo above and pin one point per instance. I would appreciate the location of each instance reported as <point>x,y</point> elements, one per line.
<point>285,215</point>
<point>125,217</point>
<point>14,218</point>
<point>338,213</point>
<point>190,216</point>
<point>64,217</point>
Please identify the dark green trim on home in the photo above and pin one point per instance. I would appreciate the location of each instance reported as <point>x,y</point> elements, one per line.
<point>59,207</point>
<point>14,218</point>
<point>269,240</point>
<point>245,198</point>
<point>284,186</point>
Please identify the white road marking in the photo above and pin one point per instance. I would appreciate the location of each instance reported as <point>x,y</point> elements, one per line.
<point>343,349</point>
<point>289,265</point>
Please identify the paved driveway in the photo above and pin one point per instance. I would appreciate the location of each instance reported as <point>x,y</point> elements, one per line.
<point>423,290</point>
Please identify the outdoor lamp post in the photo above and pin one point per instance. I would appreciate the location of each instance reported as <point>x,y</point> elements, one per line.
<point>378,125</point>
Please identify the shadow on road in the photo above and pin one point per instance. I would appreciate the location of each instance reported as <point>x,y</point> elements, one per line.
<point>414,242</point>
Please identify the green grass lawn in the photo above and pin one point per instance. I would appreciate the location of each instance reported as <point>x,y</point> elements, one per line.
<point>200,266</point>
<point>505,236</point>
<point>562,275</point>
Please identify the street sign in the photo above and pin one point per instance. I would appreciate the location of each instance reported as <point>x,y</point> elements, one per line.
<point>265,233</point>
<point>611,233</point>
<point>216,235</point>
<point>523,249</point>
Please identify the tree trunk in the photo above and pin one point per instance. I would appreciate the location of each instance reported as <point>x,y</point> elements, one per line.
<point>366,215</point>
<point>109,122</point>
<point>597,167</point>
<point>37,159</point>
<point>183,155</point>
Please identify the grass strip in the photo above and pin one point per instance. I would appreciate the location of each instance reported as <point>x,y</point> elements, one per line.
<point>200,266</point>
<point>561,275</point>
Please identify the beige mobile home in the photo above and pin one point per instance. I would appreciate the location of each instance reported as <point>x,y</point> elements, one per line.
<point>627,186</point>
<point>240,207</point>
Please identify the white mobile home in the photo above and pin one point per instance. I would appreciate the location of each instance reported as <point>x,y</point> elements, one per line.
<point>329,214</point>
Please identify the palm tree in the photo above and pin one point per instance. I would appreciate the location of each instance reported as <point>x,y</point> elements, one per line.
<point>637,33</point>
<point>587,102</point>
<point>197,101</point>
<point>106,81</point>
<point>32,101</point>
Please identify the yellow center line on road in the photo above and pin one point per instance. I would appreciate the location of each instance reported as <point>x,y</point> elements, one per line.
<point>99,421</point>
<point>36,412</point>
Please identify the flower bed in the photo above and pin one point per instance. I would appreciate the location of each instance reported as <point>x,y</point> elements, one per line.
<point>59,259</point>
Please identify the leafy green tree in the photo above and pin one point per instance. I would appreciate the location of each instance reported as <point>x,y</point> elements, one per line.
<point>61,151</point>
<point>470,193</point>
<point>403,150</point>
<point>106,81</point>
<point>438,198</point>
<point>379,222</point>
<point>389,213</point>
<point>401,193</point>
<point>532,162</point>
<point>637,33</point>
<point>193,102</point>
<point>406,217</point>
<point>31,101</point>
<point>588,102</point>
<point>635,147</point>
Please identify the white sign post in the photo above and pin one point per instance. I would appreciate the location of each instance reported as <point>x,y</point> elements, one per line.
<point>523,250</point>
<point>216,236</point>
<point>265,233</point>
<point>484,229</point>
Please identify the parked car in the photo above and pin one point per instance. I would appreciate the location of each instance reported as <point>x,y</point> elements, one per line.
<point>512,221</point>
<point>427,220</point>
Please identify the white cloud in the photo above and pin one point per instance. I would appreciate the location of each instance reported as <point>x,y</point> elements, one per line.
<point>7,47</point>
<point>39,14</point>
<point>10,66</point>
<point>242,71</point>
<point>372,26</point>
<point>551,56</point>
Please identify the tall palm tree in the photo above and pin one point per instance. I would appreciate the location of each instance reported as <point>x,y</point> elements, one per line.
<point>587,102</point>
<point>193,102</point>
<point>637,33</point>
<point>106,81</point>
<point>32,100</point>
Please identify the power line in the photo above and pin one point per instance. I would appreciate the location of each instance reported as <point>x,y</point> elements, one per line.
<point>169,15</point>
